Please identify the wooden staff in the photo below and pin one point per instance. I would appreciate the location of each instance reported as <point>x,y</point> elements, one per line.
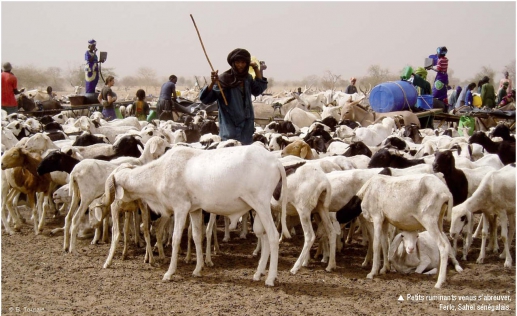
<point>218,84</point>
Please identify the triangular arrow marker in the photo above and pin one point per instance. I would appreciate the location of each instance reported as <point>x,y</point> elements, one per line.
<point>401,299</point>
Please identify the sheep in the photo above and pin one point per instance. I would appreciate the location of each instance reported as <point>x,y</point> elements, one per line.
<point>384,158</point>
<point>86,181</point>
<point>23,177</point>
<point>358,148</point>
<point>300,149</point>
<point>126,146</point>
<point>208,139</point>
<point>410,203</point>
<point>60,118</point>
<point>111,132</point>
<point>411,251</point>
<point>206,180</point>
<point>494,196</point>
<point>87,139</point>
<point>278,142</point>
<point>308,191</point>
<point>505,149</point>
<point>374,134</point>
<point>18,129</point>
<point>454,178</point>
<point>9,140</point>
<point>491,160</point>
<point>128,121</point>
<point>153,149</point>
<point>502,131</point>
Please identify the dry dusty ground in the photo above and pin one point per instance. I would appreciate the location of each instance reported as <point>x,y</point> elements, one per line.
<point>37,275</point>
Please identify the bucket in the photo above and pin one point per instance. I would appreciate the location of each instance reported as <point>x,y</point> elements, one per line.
<point>424,102</point>
<point>476,101</point>
<point>393,96</point>
<point>152,115</point>
<point>117,113</point>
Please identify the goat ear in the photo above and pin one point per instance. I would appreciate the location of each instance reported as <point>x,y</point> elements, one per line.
<point>119,192</point>
<point>154,146</point>
<point>303,152</point>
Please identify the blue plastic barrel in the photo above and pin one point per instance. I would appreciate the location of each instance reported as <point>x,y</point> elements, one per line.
<point>393,96</point>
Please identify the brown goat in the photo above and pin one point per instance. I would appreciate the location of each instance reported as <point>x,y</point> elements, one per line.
<point>22,176</point>
<point>298,148</point>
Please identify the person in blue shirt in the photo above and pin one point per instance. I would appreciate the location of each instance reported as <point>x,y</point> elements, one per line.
<point>468,94</point>
<point>167,93</point>
<point>236,120</point>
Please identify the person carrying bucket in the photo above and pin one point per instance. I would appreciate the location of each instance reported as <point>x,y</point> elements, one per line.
<point>442,78</point>
<point>91,68</point>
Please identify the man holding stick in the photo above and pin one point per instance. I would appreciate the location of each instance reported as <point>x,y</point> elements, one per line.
<point>236,120</point>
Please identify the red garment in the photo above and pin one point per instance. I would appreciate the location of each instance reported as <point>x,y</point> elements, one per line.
<point>9,83</point>
<point>443,64</point>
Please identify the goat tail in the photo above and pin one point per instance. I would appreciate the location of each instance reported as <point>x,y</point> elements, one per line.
<point>109,190</point>
<point>75,193</point>
<point>449,208</point>
<point>283,196</point>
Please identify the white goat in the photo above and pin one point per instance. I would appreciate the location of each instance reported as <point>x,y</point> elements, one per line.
<point>410,203</point>
<point>494,196</point>
<point>374,134</point>
<point>206,180</point>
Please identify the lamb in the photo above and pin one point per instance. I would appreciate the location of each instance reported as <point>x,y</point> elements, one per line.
<point>505,149</point>
<point>23,177</point>
<point>411,251</point>
<point>196,179</point>
<point>494,196</point>
<point>308,191</point>
<point>374,134</point>
<point>409,203</point>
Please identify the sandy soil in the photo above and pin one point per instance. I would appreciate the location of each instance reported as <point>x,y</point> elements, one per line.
<point>38,277</point>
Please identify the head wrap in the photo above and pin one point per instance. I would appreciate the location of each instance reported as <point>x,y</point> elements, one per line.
<point>458,90</point>
<point>92,42</point>
<point>442,50</point>
<point>7,66</point>
<point>232,78</point>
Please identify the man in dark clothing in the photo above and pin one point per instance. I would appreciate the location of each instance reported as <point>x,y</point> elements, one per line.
<point>236,120</point>
<point>351,89</point>
<point>167,95</point>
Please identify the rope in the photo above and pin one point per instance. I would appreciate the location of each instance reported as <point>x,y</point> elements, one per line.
<point>405,97</point>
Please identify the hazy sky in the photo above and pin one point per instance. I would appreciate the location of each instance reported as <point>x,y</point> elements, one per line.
<point>296,39</point>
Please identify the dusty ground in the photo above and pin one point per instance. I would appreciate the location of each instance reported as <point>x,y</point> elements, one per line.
<point>37,275</point>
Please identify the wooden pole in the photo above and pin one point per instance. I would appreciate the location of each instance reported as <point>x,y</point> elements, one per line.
<point>203,46</point>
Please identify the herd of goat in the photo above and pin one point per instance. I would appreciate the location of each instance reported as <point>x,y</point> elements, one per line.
<point>393,184</point>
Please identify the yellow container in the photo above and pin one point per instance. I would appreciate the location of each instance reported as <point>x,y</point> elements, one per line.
<point>251,71</point>
<point>476,101</point>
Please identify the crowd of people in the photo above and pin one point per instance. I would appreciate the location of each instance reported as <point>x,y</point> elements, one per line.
<point>233,89</point>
